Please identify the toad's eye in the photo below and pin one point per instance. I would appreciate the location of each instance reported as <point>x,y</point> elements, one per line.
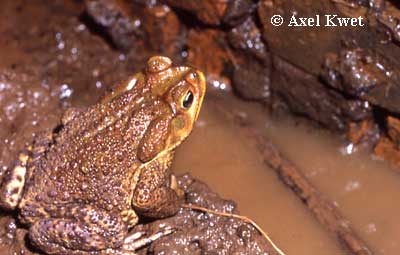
<point>187,100</point>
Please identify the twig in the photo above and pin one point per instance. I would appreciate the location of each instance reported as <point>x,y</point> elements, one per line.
<point>244,218</point>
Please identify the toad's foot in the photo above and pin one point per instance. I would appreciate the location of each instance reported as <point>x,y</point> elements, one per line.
<point>136,241</point>
<point>13,183</point>
<point>174,185</point>
<point>130,217</point>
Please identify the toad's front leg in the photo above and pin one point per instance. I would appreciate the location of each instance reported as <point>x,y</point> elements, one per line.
<point>153,197</point>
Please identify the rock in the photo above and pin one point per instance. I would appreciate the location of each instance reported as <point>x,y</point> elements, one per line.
<point>387,150</point>
<point>138,27</point>
<point>300,46</point>
<point>393,125</point>
<point>238,11</point>
<point>366,75</point>
<point>251,62</point>
<point>304,94</point>
<point>207,49</point>
<point>208,11</point>
<point>215,13</point>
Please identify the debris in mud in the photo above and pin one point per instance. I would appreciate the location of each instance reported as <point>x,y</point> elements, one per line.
<point>388,148</point>
<point>363,133</point>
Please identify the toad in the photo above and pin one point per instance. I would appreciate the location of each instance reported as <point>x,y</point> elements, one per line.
<point>80,188</point>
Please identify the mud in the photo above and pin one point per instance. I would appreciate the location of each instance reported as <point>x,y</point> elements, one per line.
<point>203,233</point>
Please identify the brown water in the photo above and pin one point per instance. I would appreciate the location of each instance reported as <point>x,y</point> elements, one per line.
<point>364,189</point>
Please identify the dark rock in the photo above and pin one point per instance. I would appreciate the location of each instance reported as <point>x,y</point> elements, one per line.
<point>208,11</point>
<point>251,63</point>
<point>393,125</point>
<point>304,94</point>
<point>247,38</point>
<point>237,11</point>
<point>367,75</point>
<point>304,47</point>
<point>139,27</point>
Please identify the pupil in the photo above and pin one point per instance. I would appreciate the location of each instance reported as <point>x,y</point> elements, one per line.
<point>187,102</point>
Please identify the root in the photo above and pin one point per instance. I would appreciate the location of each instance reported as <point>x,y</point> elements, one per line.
<point>244,218</point>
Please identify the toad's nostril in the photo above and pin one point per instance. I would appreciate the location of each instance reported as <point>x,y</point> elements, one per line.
<point>158,64</point>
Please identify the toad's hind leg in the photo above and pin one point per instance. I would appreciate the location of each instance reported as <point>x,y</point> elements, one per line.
<point>87,230</point>
<point>14,180</point>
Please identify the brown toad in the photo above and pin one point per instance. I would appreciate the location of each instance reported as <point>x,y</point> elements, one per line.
<point>80,188</point>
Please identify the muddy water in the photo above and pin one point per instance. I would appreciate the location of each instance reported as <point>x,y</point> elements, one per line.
<point>364,189</point>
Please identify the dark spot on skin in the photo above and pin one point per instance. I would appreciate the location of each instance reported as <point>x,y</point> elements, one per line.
<point>52,193</point>
<point>14,191</point>
<point>19,178</point>
<point>71,234</point>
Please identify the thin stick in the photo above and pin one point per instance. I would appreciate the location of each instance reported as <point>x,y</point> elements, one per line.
<point>323,209</point>
<point>244,218</point>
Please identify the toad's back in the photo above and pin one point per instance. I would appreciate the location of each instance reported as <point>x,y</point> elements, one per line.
<point>94,156</point>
